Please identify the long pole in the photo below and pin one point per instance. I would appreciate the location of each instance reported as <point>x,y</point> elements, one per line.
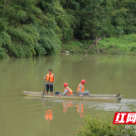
<point>43,91</point>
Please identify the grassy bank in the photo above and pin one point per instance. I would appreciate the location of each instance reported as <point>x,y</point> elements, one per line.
<point>122,45</point>
<point>101,125</point>
<point>76,46</point>
<point>115,45</point>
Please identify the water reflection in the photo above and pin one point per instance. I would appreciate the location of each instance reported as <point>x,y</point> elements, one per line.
<point>80,109</point>
<point>49,115</point>
<point>66,105</point>
<point>48,112</point>
<point>76,106</point>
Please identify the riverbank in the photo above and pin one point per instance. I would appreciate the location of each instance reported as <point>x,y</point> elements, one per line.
<point>101,125</point>
<point>37,28</point>
<point>115,45</point>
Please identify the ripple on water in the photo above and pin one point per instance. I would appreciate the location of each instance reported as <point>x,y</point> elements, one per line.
<point>124,105</point>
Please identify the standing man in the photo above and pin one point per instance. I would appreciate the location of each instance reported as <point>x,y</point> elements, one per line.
<point>50,80</point>
<point>80,88</point>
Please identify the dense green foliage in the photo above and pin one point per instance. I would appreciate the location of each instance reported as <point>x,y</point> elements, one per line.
<point>25,30</point>
<point>38,27</point>
<point>101,126</point>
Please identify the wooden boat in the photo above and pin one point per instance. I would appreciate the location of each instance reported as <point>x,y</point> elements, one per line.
<point>97,97</point>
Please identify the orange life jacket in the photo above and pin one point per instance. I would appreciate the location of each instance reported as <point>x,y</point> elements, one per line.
<point>82,88</point>
<point>70,91</point>
<point>51,77</point>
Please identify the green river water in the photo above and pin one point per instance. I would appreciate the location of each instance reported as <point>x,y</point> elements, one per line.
<point>25,116</point>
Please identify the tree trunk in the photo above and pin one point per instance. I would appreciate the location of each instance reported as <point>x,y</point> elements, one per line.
<point>5,7</point>
<point>95,43</point>
<point>96,40</point>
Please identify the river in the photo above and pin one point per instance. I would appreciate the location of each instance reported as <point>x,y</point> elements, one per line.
<point>25,116</point>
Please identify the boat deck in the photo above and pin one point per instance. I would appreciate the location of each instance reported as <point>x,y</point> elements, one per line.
<point>98,97</point>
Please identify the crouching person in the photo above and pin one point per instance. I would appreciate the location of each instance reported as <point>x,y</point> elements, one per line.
<point>80,88</point>
<point>67,90</point>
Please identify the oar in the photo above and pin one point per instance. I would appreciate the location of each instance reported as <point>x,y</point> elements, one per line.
<point>43,91</point>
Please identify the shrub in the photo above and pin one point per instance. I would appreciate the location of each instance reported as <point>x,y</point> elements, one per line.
<point>3,53</point>
<point>2,26</point>
<point>101,125</point>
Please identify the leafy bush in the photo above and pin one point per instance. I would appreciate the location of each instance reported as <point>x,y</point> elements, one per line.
<point>2,25</point>
<point>3,53</point>
<point>101,125</point>
<point>25,30</point>
<point>119,30</point>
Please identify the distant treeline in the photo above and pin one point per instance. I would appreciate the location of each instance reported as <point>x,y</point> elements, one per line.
<point>38,27</point>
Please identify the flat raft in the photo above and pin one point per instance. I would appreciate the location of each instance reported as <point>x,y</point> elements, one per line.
<point>97,97</point>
